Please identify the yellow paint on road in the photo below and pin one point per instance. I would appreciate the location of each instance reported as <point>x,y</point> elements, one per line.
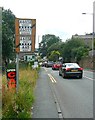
<point>52,78</point>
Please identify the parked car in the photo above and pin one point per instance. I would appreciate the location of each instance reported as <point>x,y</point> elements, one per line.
<point>49,64</point>
<point>56,65</point>
<point>44,63</point>
<point>71,70</point>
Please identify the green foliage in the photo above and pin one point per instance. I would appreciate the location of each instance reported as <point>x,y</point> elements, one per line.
<point>80,52</point>
<point>8,30</point>
<point>50,39</point>
<point>47,41</point>
<point>11,65</point>
<point>54,56</point>
<point>59,46</point>
<point>18,105</point>
<point>70,49</point>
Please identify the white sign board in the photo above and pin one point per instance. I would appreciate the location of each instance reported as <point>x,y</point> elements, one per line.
<point>25,43</point>
<point>25,27</point>
<point>25,32</point>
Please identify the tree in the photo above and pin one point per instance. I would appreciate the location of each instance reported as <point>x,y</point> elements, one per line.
<point>47,41</point>
<point>80,52</point>
<point>54,56</point>
<point>71,49</point>
<point>8,30</point>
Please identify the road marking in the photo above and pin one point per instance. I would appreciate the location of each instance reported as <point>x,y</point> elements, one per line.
<point>45,69</point>
<point>88,78</point>
<point>52,78</point>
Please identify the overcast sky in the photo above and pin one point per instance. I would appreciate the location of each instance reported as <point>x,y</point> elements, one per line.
<point>62,18</point>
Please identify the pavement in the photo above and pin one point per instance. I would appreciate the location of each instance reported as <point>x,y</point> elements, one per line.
<point>44,106</point>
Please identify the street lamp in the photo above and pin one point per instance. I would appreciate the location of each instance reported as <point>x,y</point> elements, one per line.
<point>92,30</point>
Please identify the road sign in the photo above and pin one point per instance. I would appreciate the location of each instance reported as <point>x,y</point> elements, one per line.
<point>25,35</point>
<point>25,43</point>
<point>25,27</point>
<point>11,76</point>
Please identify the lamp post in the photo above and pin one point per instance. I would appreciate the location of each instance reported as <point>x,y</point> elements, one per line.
<point>92,30</point>
<point>93,33</point>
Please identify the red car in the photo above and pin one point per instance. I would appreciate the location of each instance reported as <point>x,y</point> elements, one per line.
<point>56,66</point>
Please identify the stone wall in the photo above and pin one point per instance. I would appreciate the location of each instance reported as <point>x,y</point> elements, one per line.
<point>87,62</point>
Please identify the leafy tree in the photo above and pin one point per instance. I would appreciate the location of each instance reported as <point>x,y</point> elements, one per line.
<point>80,52</point>
<point>56,46</point>
<point>54,56</point>
<point>8,31</point>
<point>47,41</point>
<point>70,49</point>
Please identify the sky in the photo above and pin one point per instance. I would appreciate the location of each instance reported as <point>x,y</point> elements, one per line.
<point>62,18</point>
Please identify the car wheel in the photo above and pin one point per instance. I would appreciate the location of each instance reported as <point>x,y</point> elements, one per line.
<point>63,75</point>
<point>59,74</point>
<point>80,76</point>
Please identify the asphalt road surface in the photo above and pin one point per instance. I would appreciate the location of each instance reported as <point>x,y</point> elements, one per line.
<point>56,97</point>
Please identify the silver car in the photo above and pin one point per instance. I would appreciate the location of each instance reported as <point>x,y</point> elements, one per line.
<point>71,70</point>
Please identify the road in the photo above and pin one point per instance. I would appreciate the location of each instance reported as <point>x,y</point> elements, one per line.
<point>63,98</point>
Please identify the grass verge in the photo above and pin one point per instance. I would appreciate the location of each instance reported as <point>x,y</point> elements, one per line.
<point>18,104</point>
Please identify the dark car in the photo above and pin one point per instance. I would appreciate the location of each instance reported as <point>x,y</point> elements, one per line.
<point>56,65</point>
<point>49,64</point>
<point>44,64</point>
<point>71,70</point>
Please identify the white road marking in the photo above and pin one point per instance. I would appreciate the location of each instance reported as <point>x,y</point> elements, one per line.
<point>52,78</point>
<point>87,77</point>
<point>45,69</point>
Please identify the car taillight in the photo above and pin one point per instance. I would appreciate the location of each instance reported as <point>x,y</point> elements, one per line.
<point>80,69</point>
<point>67,69</point>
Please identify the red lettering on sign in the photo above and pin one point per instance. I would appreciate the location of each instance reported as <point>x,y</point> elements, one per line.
<point>11,74</point>
<point>12,83</point>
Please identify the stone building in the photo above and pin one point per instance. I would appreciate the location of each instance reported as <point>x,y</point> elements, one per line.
<point>87,38</point>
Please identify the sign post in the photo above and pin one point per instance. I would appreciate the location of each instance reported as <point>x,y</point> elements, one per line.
<point>17,71</point>
<point>25,32</point>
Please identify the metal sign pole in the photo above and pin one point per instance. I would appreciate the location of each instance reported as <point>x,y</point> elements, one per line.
<point>17,72</point>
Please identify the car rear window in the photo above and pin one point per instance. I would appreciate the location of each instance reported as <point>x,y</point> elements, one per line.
<point>71,65</point>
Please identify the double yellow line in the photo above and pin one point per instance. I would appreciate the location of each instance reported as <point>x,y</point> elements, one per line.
<point>52,78</point>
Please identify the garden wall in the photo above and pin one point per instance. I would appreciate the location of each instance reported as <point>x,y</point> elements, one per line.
<point>88,62</point>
